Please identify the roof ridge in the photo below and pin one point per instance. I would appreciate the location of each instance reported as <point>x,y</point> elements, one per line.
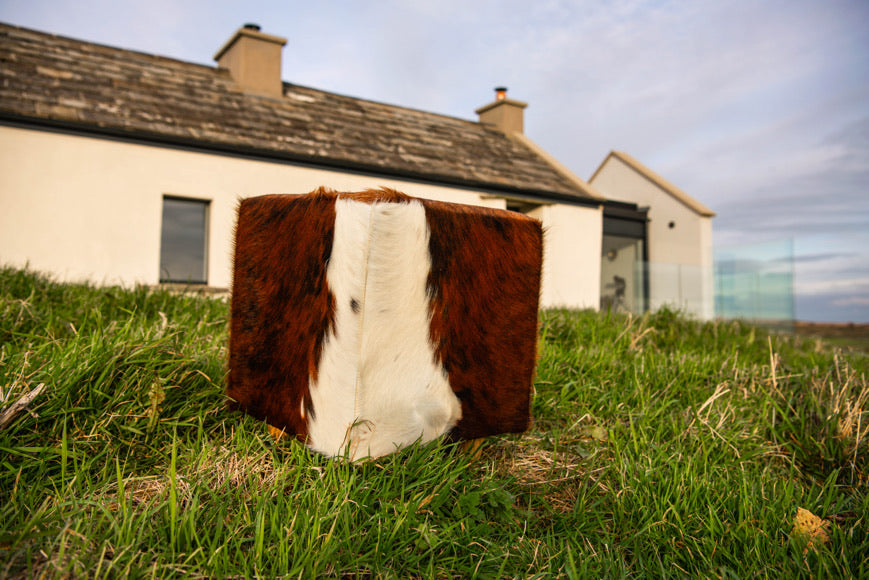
<point>110,47</point>
<point>212,68</point>
<point>291,84</point>
<point>658,180</point>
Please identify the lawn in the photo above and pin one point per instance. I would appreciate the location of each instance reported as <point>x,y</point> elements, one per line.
<point>661,447</point>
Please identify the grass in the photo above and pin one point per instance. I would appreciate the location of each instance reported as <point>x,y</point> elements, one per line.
<point>662,447</point>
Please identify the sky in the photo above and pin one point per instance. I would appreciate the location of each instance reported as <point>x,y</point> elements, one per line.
<point>759,109</point>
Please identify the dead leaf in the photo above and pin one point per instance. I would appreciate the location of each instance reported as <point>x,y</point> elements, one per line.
<point>594,432</point>
<point>810,528</point>
<point>277,434</point>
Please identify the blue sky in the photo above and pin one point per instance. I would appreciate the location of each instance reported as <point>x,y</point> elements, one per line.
<point>759,109</point>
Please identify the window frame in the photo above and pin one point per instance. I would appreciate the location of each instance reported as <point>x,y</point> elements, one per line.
<point>206,239</point>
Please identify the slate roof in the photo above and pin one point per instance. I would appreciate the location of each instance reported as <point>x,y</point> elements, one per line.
<point>58,81</point>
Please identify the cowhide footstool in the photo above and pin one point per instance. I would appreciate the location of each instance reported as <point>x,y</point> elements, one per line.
<point>364,322</point>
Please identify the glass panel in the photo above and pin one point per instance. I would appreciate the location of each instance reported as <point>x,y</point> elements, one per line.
<point>622,287</point>
<point>183,241</point>
<point>756,282</point>
<point>685,288</point>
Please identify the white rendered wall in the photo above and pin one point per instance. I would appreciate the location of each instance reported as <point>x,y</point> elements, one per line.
<point>84,208</point>
<point>571,255</point>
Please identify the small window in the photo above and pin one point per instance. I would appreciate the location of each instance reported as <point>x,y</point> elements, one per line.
<point>184,241</point>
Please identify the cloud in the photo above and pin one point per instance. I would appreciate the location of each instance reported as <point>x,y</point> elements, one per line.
<point>862,301</point>
<point>823,257</point>
<point>852,285</point>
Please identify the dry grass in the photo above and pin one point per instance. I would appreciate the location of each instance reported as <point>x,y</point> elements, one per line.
<point>554,475</point>
<point>226,471</point>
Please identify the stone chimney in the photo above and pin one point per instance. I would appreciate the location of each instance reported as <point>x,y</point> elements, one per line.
<point>253,59</point>
<point>505,114</point>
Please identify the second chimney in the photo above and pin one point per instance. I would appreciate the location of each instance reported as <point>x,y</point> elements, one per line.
<point>505,114</point>
<point>253,59</point>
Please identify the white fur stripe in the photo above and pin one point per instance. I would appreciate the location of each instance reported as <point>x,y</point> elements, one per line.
<point>332,394</point>
<point>379,387</point>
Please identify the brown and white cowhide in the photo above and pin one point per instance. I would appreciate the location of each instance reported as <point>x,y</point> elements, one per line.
<point>362,323</point>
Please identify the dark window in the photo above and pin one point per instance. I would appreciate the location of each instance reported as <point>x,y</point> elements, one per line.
<point>184,241</point>
<point>624,280</point>
<point>625,228</point>
<point>521,206</point>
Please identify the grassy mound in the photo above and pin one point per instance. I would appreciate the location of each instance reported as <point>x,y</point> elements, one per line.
<point>661,447</point>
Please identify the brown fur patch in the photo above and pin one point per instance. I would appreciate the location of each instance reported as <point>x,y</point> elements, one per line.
<point>485,288</point>
<point>281,305</point>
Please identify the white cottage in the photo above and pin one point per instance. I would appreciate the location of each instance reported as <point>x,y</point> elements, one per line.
<point>123,167</point>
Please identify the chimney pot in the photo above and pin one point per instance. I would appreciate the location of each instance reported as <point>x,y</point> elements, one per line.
<point>252,26</point>
<point>500,93</point>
